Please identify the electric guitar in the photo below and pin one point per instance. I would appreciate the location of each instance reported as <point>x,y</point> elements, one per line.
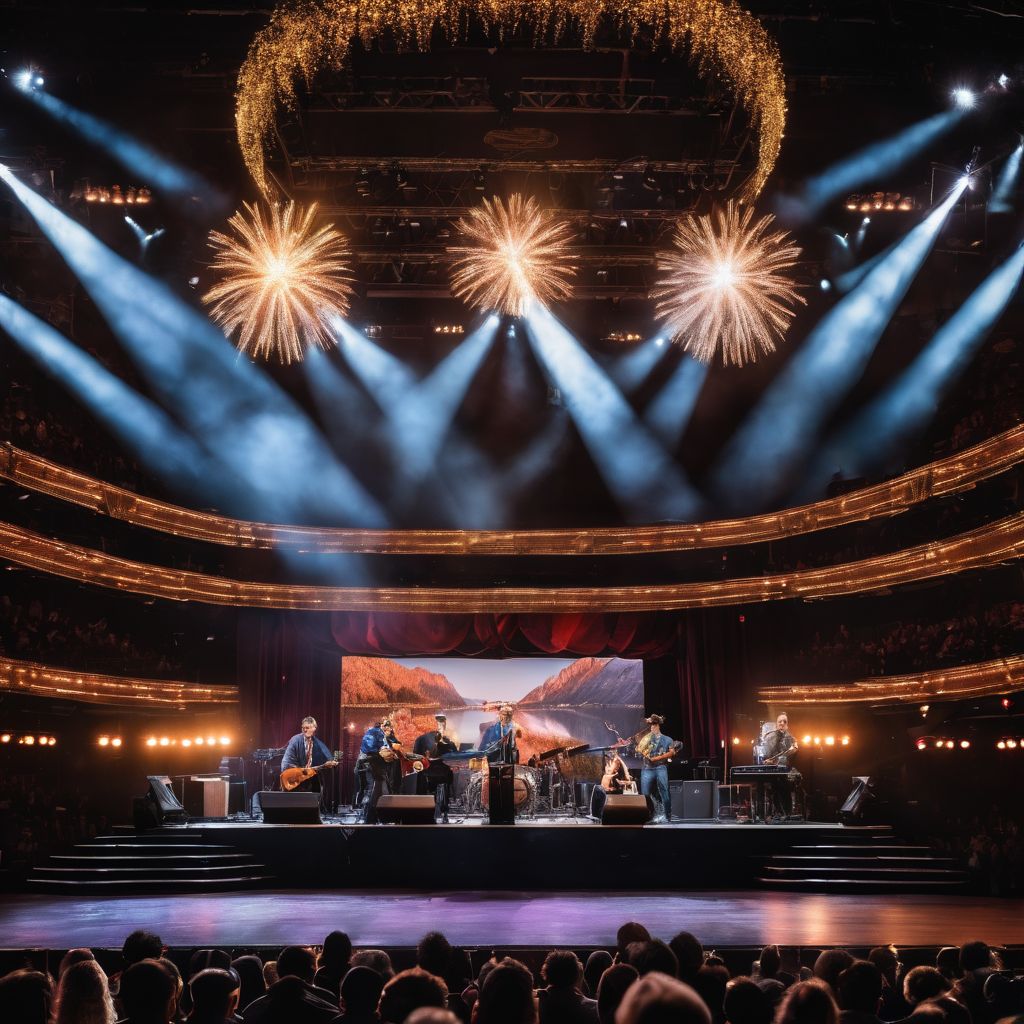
<point>390,754</point>
<point>666,757</point>
<point>292,778</point>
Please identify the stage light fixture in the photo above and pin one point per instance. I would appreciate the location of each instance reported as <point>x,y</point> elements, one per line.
<point>225,741</point>
<point>5,737</point>
<point>807,739</point>
<point>846,741</point>
<point>964,98</point>
<point>735,740</point>
<point>817,741</point>
<point>151,741</point>
<point>965,181</point>
<point>1002,81</point>
<point>186,743</point>
<point>949,744</point>
<point>1012,744</point>
<point>921,744</point>
<point>1001,745</point>
<point>480,180</point>
<point>104,741</point>
<point>211,741</point>
<point>165,741</point>
<point>938,744</point>
<point>924,709</point>
<point>825,285</point>
<point>29,741</point>
<point>830,741</point>
<point>116,741</point>
<point>200,741</point>
<point>1006,703</point>
<point>965,744</point>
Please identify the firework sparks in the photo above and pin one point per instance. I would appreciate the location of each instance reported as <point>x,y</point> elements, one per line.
<point>282,281</point>
<point>722,289</point>
<point>518,255</point>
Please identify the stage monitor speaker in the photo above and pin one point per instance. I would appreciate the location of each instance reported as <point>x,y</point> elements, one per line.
<point>289,808</point>
<point>620,809</point>
<point>400,809</point>
<point>165,803</point>
<point>694,800</point>
<point>853,806</point>
<point>501,795</point>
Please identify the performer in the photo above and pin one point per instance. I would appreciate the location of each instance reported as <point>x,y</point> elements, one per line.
<point>439,776</point>
<point>376,770</point>
<point>499,739</point>
<point>614,780</point>
<point>304,750</point>
<point>656,748</point>
<point>780,747</point>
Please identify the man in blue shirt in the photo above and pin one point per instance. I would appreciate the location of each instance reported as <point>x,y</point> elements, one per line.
<point>654,747</point>
<point>499,739</point>
<point>304,750</point>
<point>372,764</point>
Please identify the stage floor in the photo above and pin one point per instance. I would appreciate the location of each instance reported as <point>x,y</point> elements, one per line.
<point>524,919</point>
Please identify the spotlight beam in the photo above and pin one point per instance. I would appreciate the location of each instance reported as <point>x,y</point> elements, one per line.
<point>670,410</point>
<point>1002,195</point>
<point>907,405</point>
<point>760,461</point>
<point>643,479</point>
<point>190,192</point>
<point>630,370</point>
<point>231,407</point>
<point>386,378</point>
<point>142,427</point>
<point>872,163</point>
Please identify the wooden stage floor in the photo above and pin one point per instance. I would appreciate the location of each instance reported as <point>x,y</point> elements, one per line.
<point>399,918</point>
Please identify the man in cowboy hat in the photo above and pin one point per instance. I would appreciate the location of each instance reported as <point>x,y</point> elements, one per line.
<point>438,776</point>
<point>656,748</point>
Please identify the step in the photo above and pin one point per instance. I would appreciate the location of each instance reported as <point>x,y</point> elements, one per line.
<point>145,873</point>
<point>161,885</point>
<point>806,860</point>
<point>156,859</point>
<point>859,885</point>
<point>865,873</point>
<point>142,849</point>
<point>859,849</point>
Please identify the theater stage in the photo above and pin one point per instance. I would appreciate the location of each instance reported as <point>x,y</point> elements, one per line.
<point>521,919</point>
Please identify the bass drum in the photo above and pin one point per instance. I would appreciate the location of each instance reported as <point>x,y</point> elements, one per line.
<point>525,792</point>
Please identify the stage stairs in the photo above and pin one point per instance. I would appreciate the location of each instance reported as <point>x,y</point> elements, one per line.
<point>157,861</point>
<point>862,859</point>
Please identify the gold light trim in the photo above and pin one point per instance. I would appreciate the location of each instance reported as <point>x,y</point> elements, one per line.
<point>990,544</point>
<point>34,680</point>
<point>982,679</point>
<point>947,476</point>
<point>305,36</point>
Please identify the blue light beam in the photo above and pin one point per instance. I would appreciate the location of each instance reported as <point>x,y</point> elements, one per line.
<point>885,426</point>
<point>671,408</point>
<point>872,163</point>
<point>188,190</point>
<point>1002,195</point>
<point>384,376</point>
<point>229,405</point>
<point>638,472</point>
<point>140,425</point>
<point>630,370</point>
<point>760,459</point>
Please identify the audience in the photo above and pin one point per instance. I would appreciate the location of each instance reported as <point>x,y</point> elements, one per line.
<point>334,962</point>
<point>842,990</point>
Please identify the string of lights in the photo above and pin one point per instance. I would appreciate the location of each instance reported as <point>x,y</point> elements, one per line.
<point>995,542</point>
<point>955,473</point>
<point>305,36</point>
<point>35,680</point>
<point>981,679</point>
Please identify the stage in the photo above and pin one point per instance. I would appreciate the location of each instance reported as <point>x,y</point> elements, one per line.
<point>564,853</point>
<point>398,917</point>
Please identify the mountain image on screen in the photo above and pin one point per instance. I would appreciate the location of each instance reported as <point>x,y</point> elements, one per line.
<point>606,681</point>
<point>380,681</point>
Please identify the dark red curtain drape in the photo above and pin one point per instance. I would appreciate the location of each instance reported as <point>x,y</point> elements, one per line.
<point>289,663</point>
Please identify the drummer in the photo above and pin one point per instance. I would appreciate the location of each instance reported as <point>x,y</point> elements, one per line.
<point>499,739</point>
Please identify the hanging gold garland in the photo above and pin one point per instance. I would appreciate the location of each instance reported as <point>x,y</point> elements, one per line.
<point>304,36</point>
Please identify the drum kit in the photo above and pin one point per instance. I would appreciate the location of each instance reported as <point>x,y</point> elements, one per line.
<point>545,787</point>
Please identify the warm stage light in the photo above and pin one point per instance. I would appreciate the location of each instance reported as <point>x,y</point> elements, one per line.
<point>186,743</point>
<point>807,738</point>
<point>964,98</point>
<point>965,744</point>
<point>721,289</point>
<point>1001,745</point>
<point>116,741</point>
<point>1006,703</point>
<point>225,741</point>
<point>517,255</point>
<point>846,741</point>
<point>30,741</point>
<point>151,742</point>
<point>104,741</point>
<point>199,741</point>
<point>921,744</point>
<point>5,737</point>
<point>949,744</point>
<point>735,740</point>
<point>210,741</point>
<point>817,741</point>
<point>938,744</point>
<point>164,741</point>
<point>1011,744</point>
<point>924,708</point>
<point>282,281</point>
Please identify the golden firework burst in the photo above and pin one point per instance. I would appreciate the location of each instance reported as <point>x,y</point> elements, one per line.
<point>722,288</point>
<point>283,280</point>
<point>518,255</point>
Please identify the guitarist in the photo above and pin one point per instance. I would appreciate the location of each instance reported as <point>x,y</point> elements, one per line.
<point>304,750</point>
<point>374,765</point>
<point>439,777</point>
<point>656,748</point>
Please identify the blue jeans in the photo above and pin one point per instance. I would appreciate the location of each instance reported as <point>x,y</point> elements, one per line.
<point>654,782</point>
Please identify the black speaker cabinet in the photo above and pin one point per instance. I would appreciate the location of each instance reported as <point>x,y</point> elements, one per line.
<point>400,809</point>
<point>161,795</point>
<point>620,809</point>
<point>290,808</point>
<point>501,808</point>
<point>694,800</point>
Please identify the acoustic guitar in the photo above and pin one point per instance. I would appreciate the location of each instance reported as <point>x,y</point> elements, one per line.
<point>292,778</point>
<point>666,757</point>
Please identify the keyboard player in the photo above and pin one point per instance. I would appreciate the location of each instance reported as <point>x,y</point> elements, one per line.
<point>779,748</point>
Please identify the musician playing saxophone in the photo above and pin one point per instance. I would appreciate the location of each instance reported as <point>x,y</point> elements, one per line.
<point>655,747</point>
